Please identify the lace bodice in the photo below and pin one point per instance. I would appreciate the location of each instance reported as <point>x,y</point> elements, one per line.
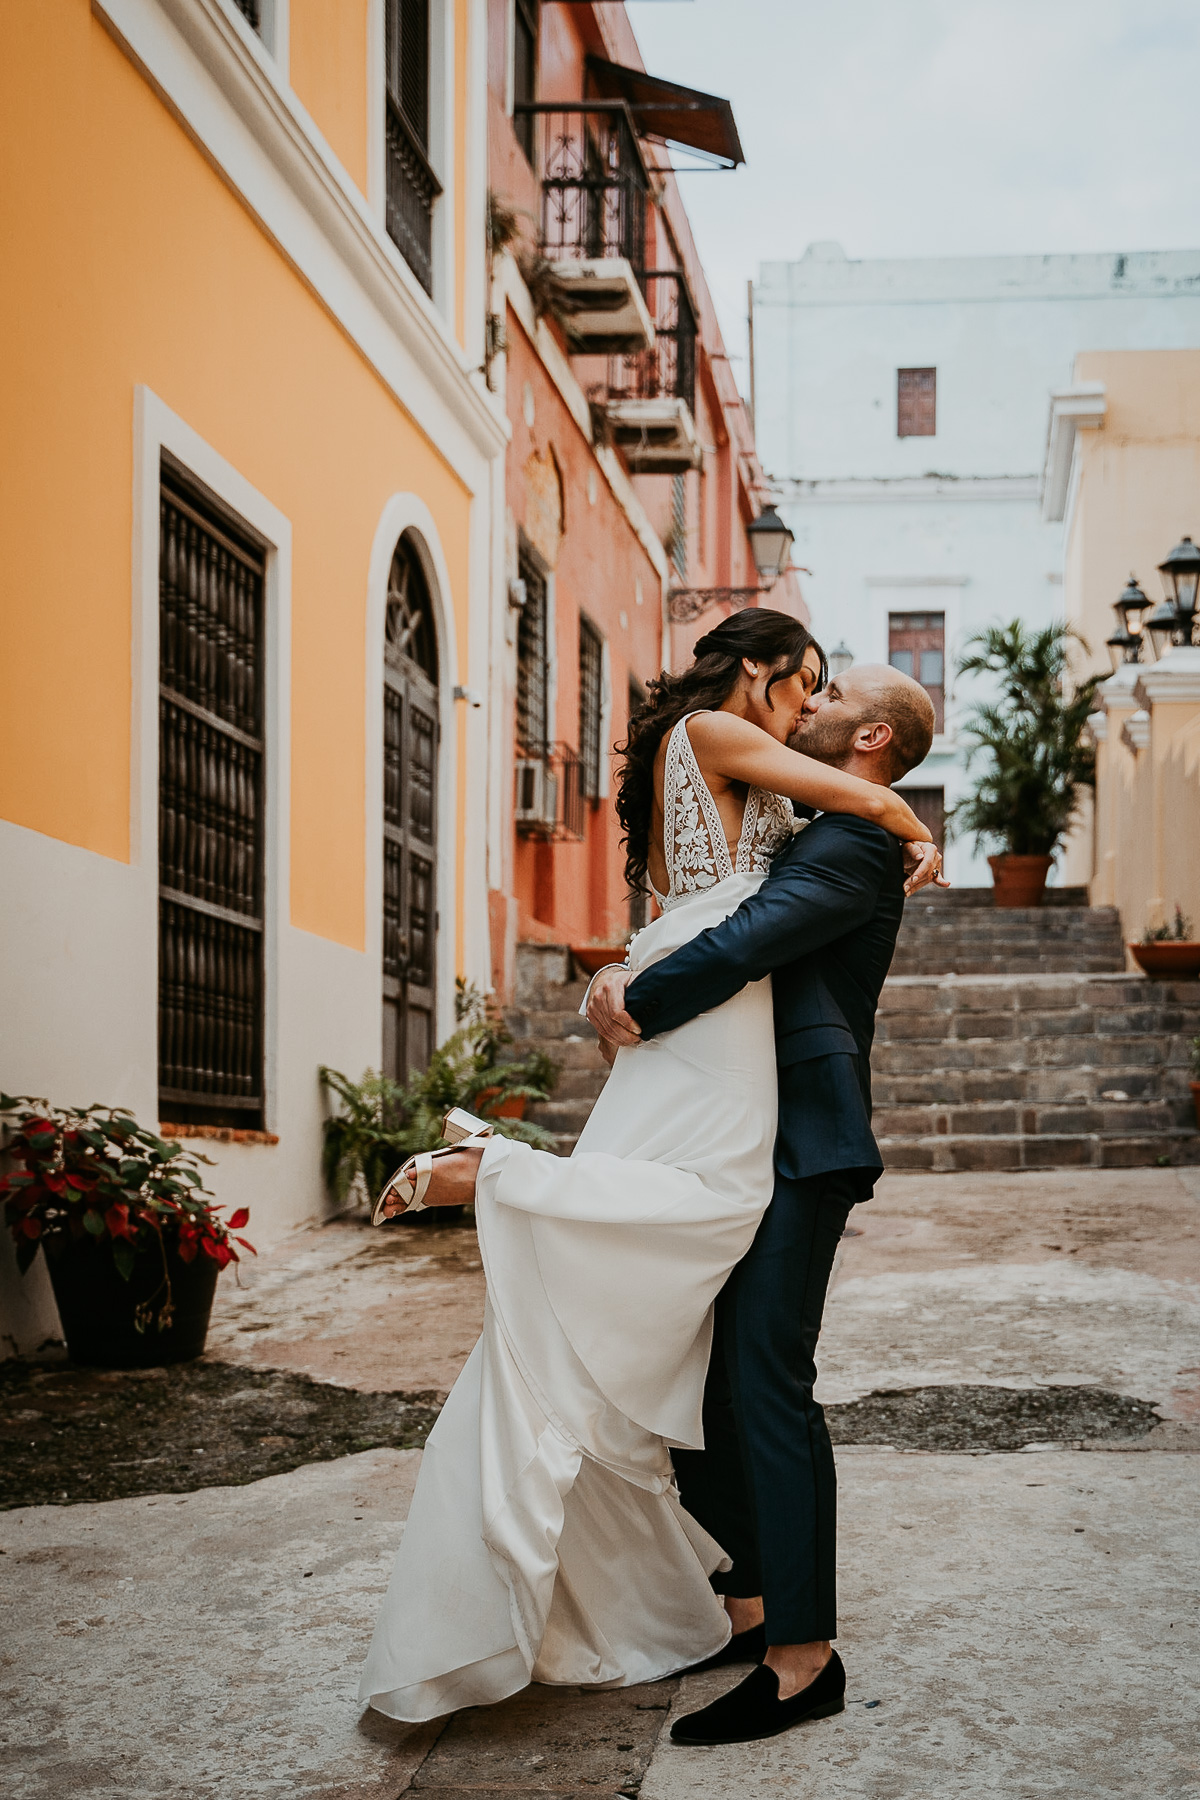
<point>694,842</point>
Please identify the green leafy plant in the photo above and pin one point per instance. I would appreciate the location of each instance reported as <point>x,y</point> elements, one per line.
<point>93,1171</point>
<point>1032,737</point>
<point>382,1122</point>
<point>1179,931</point>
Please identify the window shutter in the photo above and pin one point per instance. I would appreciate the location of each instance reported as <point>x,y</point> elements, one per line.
<point>916,403</point>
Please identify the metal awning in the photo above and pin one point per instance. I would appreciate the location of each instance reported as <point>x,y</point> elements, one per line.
<point>664,109</point>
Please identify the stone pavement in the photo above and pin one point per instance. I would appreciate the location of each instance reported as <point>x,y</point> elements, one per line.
<point>1014,1624</point>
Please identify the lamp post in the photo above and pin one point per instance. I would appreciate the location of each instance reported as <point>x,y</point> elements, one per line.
<point>770,546</point>
<point>840,659</point>
<point>1173,622</point>
<point>1125,644</point>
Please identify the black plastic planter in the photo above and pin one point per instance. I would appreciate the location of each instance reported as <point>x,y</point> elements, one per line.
<point>98,1307</point>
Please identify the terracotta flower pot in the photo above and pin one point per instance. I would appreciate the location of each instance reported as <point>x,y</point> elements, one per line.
<point>1019,880</point>
<point>512,1108</point>
<point>97,1306</point>
<point>1168,961</point>
<point>592,958</point>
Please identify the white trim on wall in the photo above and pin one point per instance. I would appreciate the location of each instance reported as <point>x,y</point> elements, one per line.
<point>230,96</point>
<point>156,429</point>
<point>408,512</point>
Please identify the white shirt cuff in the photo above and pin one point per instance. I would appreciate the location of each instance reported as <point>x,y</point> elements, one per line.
<point>595,978</point>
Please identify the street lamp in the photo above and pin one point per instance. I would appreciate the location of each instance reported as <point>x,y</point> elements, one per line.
<point>1172,621</point>
<point>770,546</point>
<point>1125,644</point>
<point>771,543</point>
<point>840,659</point>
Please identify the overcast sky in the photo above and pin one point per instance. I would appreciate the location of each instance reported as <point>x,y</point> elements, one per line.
<point>937,127</point>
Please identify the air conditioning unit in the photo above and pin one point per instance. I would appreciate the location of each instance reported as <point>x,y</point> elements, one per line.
<point>537,795</point>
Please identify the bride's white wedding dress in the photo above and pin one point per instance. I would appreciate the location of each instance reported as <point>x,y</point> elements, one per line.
<point>546,1540</point>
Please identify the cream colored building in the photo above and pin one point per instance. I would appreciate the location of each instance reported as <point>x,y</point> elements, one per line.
<point>1123,471</point>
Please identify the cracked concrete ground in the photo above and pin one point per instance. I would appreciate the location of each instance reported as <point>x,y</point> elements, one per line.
<point>1026,1622</point>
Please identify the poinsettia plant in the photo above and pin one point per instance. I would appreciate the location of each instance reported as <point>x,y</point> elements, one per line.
<point>94,1171</point>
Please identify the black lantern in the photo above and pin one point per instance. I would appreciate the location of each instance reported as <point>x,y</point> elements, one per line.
<point>770,544</point>
<point>1162,626</point>
<point>1181,577</point>
<point>1125,644</point>
<point>840,658</point>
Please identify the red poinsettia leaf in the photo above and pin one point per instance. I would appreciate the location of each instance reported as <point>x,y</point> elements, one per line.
<point>246,1246</point>
<point>38,1128</point>
<point>241,1217</point>
<point>56,1183</point>
<point>31,1227</point>
<point>212,1248</point>
<point>225,1256</point>
<point>117,1220</point>
<point>187,1250</point>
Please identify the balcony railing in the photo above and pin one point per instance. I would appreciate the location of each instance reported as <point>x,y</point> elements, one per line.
<point>594,181</point>
<point>668,369</point>
<point>550,800</point>
<point>412,188</point>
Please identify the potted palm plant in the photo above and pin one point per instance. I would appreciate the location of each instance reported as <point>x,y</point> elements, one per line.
<point>1036,759</point>
<point>131,1237</point>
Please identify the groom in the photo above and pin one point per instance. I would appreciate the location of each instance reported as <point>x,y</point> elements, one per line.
<point>824,926</point>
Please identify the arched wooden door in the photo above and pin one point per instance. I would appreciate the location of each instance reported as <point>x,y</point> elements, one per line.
<point>411,731</point>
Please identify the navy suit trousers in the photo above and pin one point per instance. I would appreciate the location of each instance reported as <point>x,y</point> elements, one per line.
<point>764,1485</point>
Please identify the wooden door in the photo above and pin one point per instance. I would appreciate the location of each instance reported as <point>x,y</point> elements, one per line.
<point>411,731</point>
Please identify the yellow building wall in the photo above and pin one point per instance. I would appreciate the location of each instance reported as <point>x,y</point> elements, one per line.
<point>327,54</point>
<point>1139,482</point>
<point>130,261</point>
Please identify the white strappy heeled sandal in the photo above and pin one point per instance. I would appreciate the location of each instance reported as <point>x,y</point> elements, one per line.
<point>463,1132</point>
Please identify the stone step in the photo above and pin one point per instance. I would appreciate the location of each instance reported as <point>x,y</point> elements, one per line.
<point>936,938</point>
<point>1109,1118</point>
<point>1040,1083</point>
<point>1095,1150</point>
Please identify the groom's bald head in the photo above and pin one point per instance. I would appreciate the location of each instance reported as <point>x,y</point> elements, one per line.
<point>873,719</point>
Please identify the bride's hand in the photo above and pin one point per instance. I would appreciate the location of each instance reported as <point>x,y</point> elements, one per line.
<point>922,864</point>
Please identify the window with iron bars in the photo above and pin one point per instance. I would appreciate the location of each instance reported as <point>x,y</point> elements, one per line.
<point>210,814</point>
<point>591,706</point>
<point>525,49</point>
<point>533,661</point>
<point>679,556</point>
<point>412,186</point>
<point>251,11</point>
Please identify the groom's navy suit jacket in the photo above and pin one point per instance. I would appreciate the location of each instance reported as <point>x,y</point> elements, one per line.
<point>824,926</point>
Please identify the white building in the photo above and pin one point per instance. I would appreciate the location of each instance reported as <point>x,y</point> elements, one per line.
<point>900,410</point>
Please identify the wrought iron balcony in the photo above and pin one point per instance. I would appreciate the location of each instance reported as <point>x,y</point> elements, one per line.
<point>412,188</point>
<point>592,231</point>
<point>651,395</point>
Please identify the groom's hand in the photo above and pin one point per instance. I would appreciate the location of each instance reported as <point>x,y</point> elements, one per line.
<point>606,1009</point>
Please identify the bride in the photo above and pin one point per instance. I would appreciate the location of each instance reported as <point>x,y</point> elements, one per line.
<point>546,1540</point>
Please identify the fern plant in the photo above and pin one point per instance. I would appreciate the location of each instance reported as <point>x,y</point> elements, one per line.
<point>382,1122</point>
<point>1032,739</point>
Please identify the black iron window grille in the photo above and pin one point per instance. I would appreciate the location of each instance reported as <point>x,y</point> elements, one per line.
<point>211,805</point>
<point>591,708</point>
<point>525,47</point>
<point>668,370</point>
<point>533,660</point>
<point>594,181</point>
<point>412,186</point>
<point>678,545</point>
<point>251,11</point>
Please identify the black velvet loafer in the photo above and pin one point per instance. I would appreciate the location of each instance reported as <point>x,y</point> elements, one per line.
<point>743,1647</point>
<point>753,1709</point>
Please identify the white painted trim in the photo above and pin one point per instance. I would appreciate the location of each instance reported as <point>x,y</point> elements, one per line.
<point>441,153</point>
<point>1116,693</point>
<point>1173,681</point>
<point>853,491</point>
<point>1135,732</point>
<point>1098,726</point>
<point>276,33</point>
<point>1073,409</point>
<point>376,114</point>
<point>401,513</point>
<point>157,429</point>
<point>228,93</point>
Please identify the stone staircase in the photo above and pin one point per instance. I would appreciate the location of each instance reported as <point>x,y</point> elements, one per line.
<point>545,1015</point>
<point>1005,1040</point>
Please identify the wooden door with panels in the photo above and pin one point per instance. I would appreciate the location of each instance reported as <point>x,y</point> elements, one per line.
<point>411,734</point>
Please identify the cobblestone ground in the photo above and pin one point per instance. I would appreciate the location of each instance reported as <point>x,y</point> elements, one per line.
<point>1012,1367</point>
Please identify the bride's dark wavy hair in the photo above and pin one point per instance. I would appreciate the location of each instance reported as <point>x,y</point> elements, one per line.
<point>758,633</point>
